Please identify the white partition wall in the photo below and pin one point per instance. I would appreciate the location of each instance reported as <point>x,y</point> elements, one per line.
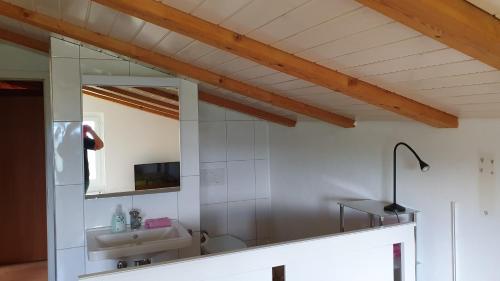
<point>351,256</point>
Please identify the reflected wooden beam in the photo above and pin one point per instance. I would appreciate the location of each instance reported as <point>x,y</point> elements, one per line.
<point>139,97</point>
<point>209,98</point>
<point>160,93</point>
<point>158,13</point>
<point>130,103</point>
<point>24,41</point>
<point>136,52</point>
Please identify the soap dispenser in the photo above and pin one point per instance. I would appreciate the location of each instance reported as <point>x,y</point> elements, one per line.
<point>118,223</point>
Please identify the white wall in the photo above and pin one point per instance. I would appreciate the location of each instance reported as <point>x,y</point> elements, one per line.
<point>73,213</point>
<point>131,137</point>
<point>360,256</point>
<point>234,168</point>
<point>315,165</point>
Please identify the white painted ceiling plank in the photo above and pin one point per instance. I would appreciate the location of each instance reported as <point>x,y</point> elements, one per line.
<point>246,19</point>
<point>358,20</point>
<point>432,58</point>
<point>28,4</point>
<point>100,18</point>
<point>385,34</point>
<point>214,59</point>
<point>216,11</point>
<point>194,51</point>
<point>172,43</point>
<point>125,27</point>
<point>75,11</point>
<point>309,15</point>
<point>253,72</point>
<point>408,47</point>
<point>150,36</point>
<point>49,7</point>
<point>234,66</point>
<point>479,89</point>
<point>183,5</point>
<point>452,81</point>
<point>457,68</point>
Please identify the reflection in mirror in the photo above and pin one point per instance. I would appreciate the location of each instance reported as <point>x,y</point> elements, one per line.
<point>131,140</point>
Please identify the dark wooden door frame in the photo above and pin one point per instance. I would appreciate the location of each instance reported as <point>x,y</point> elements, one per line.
<point>49,160</point>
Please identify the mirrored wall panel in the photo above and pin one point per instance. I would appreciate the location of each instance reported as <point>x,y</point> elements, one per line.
<point>131,140</point>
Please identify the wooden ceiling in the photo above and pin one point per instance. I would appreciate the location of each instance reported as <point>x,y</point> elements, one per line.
<point>338,34</point>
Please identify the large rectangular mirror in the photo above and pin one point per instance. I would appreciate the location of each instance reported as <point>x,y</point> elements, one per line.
<point>131,140</point>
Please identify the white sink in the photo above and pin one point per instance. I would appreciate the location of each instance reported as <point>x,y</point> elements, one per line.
<point>103,244</point>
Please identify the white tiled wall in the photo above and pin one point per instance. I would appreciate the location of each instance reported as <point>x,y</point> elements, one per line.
<point>234,175</point>
<point>73,213</point>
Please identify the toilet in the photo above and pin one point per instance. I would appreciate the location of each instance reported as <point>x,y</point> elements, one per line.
<point>220,244</point>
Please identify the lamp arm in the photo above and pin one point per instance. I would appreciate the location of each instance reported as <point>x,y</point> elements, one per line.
<point>394,164</point>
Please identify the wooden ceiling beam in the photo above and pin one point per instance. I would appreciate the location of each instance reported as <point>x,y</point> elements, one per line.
<point>456,23</point>
<point>209,98</point>
<point>24,41</point>
<point>133,51</point>
<point>131,102</point>
<point>170,18</point>
<point>175,98</point>
<point>139,97</point>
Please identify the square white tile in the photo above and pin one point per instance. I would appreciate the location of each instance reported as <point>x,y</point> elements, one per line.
<point>241,180</point>
<point>212,141</point>
<point>263,218</point>
<point>210,112</point>
<point>66,89</point>
<point>98,212</point>
<point>68,153</point>
<point>189,203</point>
<point>214,219</point>
<point>70,264</point>
<point>261,140</point>
<point>240,140</point>
<point>69,216</point>
<point>156,205</point>
<point>104,67</point>
<point>262,181</point>
<point>213,183</point>
<point>188,101</point>
<point>63,49</point>
<point>190,155</point>
<point>241,219</point>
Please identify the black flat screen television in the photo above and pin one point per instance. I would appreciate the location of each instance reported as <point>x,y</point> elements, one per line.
<point>157,175</point>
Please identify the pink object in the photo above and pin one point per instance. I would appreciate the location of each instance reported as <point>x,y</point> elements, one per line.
<point>157,223</point>
<point>396,250</point>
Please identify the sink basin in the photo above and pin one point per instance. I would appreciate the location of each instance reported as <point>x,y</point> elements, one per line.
<point>103,244</point>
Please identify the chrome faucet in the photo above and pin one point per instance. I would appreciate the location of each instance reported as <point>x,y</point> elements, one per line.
<point>135,219</point>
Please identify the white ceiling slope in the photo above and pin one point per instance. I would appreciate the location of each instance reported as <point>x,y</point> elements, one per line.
<point>339,34</point>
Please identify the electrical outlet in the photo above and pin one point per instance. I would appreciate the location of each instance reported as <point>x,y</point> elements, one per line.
<point>486,184</point>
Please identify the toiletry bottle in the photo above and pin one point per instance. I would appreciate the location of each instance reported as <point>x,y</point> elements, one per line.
<point>118,223</point>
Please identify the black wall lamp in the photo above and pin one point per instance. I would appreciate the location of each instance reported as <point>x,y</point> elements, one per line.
<point>394,207</point>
